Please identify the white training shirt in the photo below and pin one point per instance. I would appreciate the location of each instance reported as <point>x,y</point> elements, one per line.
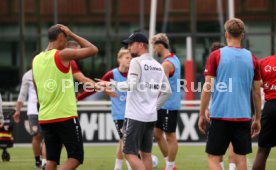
<point>144,83</point>
<point>27,90</point>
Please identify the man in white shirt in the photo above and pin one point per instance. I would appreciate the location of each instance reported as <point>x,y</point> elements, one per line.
<point>27,90</point>
<point>148,89</point>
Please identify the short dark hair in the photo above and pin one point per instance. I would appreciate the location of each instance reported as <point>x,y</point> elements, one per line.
<point>72,44</point>
<point>216,45</point>
<point>53,32</point>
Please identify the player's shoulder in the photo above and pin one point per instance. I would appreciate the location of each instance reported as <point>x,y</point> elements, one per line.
<point>28,74</point>
<point>271,57</point>
<point>268,59</point>
<point>215,53</point>
<point>112,70</point>
<point>108,75</point>
<point>137,60</point>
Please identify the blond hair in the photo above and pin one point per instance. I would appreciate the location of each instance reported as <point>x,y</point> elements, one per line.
<point>235,27</point>
<point>122,52</point>
<point>160,37</point>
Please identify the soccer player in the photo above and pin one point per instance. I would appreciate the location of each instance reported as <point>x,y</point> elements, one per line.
<point>148,89</point>
<point>167,115</point>
<point>27,90</point>
<point>231,154</point>
<point>231,72</point>
<point>267,138</point>
<point>54,84</point>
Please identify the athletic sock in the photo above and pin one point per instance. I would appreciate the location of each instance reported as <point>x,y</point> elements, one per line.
<point>118,164</point>
<point>232,166</point>
<point>128,165</point>
<point>166,159</point>
<point>43,162</point>
<point>37,161</point>
<point>221,165</point>
<point>169,165</point>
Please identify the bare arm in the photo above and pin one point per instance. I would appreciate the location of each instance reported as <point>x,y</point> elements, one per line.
<point>205,95</point>
<point>21,98</point>
<point>204,102</point>
<point>256,95</point>
<point>87,50</point>
<point>168,68</point>
<point>80,77</point>
<point>16,115</point>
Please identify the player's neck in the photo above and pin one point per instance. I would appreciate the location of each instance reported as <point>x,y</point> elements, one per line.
<point>142,51</point>
<point>234,42</point>
<point>52,45</point>
<point>123,69</point>
<point>165,54</point>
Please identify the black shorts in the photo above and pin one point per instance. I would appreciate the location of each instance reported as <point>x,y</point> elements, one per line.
<point>67,133</point>
<point>119,126</point>
<point>221,133</point>
<point>138,136</point>
<point>267,137</point>
<point>167,120</point>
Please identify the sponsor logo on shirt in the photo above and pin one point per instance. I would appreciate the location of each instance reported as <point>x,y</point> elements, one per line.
<point>269,68</point>
<point>266,85</point>
<point>151,68</point>
<point>152,85</point>
<point>273,87</point>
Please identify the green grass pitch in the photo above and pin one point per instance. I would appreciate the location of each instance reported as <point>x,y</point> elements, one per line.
<point>102,158</point>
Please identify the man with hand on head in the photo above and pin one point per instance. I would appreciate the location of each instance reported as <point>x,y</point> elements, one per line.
<point>58,110</point>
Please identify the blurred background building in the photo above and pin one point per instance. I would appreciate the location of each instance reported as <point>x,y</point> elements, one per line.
<point>24,24</point>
